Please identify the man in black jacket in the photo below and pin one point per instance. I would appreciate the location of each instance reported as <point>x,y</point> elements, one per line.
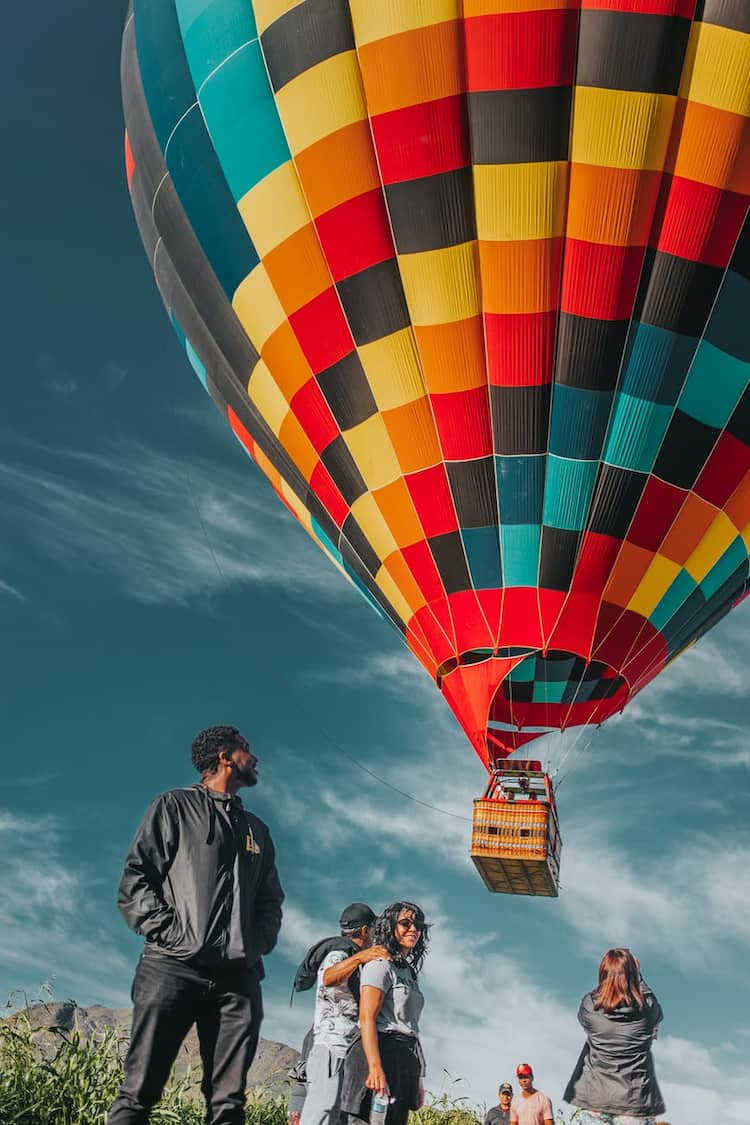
<point>200,884</point>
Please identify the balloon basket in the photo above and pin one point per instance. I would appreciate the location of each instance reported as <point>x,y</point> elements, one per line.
<point>516,841</point>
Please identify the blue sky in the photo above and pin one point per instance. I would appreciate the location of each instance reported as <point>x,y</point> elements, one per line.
<point>151,584</point>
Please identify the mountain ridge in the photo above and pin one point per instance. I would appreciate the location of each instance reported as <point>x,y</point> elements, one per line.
<point>269,1070</point>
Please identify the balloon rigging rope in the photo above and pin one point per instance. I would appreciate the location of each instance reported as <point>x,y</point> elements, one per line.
<point>200,520</point>
<point>387,784</point>
<point>581,743</point>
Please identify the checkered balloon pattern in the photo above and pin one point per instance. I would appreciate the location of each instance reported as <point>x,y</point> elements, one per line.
<point>470,281</point>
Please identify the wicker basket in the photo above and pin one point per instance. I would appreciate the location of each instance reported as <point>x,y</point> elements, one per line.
<point>516,845</point>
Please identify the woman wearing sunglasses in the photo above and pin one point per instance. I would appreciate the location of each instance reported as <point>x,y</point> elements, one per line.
<point>388,1059</point>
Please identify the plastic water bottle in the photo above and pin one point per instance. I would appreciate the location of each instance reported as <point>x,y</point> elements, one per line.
<point>379,1109</point>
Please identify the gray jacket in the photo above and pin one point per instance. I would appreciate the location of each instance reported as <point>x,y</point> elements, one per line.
<point>201,875</point>
<point>615,1070</point>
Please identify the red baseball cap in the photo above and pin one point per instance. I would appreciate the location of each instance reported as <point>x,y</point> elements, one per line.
<point>523,1070</point>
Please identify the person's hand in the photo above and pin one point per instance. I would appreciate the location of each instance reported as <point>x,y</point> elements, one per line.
<point>420,1096</point>
<point>376,1082</point>
<point>293,1118</point>
<point>373,954</point>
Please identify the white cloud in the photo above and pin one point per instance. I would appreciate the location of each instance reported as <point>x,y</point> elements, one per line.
<point>369,797</point>
<point>709,667</point>
<point>114,374</point>
<point>484,1013</point>
<point>48,923</point>
<point>680,899</point>
<point>11,591</point>
<point>166,530</point>
<point>23,781</point>
<point>299,924</point>
<point>396,670</point>
<point>63,385</point>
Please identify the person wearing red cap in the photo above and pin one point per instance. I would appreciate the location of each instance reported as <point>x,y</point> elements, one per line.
<point>531,1106</point>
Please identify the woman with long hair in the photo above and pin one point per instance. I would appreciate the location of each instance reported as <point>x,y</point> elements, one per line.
<point>388,1059</point>
<point>614,1082</point>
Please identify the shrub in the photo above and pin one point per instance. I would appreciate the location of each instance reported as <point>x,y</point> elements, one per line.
<point>74,1081</point>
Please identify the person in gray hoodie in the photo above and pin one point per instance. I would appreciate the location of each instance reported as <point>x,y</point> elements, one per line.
<point>614,1079</point>
<point>200,885</point>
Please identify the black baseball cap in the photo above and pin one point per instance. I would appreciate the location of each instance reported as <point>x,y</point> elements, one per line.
<point>356,914</point>
<point>505,1088</point>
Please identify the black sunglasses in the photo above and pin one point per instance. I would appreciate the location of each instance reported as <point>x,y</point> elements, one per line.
<point>407,924</point>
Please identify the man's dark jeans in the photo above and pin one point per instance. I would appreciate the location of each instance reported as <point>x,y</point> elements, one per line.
<point>169,996</point>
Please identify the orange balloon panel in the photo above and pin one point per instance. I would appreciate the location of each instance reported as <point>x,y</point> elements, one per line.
<point>470,281</point>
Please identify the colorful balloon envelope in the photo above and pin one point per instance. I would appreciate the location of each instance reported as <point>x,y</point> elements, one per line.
<point>470,281</point>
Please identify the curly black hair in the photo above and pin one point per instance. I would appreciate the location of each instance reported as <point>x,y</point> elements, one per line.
<point>384,933</point>
<point>210,742</point>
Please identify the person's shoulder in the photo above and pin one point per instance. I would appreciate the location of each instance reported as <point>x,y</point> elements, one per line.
<point>333,957</point>
<point>180,793</point>
<point>380,968</point>
<point>170,798</point>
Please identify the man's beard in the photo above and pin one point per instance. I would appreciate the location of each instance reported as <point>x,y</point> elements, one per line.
<point>249,776</point>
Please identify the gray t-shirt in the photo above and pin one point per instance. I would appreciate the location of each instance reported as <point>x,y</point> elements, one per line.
<point>336,1010</point>
<point>402,1001</point>
<point>497,1116</point>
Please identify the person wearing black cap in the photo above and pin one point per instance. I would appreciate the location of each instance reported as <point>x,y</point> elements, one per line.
<point>500,1114</point>
<point>336,1010</point>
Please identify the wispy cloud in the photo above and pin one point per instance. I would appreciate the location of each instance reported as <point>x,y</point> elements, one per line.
<point>63,385</point>
<point>114,375</point>
<point>11,591</point>
<point>166,530</point>
<point>708,668</point>
<point>49,924</point>
<point>32,779</point>
<point>607,900</point>
<point>485,1012</point>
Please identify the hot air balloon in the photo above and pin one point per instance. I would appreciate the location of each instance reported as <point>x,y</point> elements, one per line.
<point>470,281</point>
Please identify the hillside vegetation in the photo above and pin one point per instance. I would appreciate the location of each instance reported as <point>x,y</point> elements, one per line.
<point>65,1075</point>
<point>60,1075</point>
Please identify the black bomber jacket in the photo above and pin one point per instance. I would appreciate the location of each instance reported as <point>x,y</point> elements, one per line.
<point>194,852</point>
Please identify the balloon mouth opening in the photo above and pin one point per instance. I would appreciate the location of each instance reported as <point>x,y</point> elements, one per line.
<point>548,692</point>
<point>504,699</point>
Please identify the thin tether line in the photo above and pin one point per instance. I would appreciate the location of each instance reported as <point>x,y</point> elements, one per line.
<point>387,784</point>
<point>209,544</point>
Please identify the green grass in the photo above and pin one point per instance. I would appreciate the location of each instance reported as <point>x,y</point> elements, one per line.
<point>74,1082</point>
<point>71,1081</point>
